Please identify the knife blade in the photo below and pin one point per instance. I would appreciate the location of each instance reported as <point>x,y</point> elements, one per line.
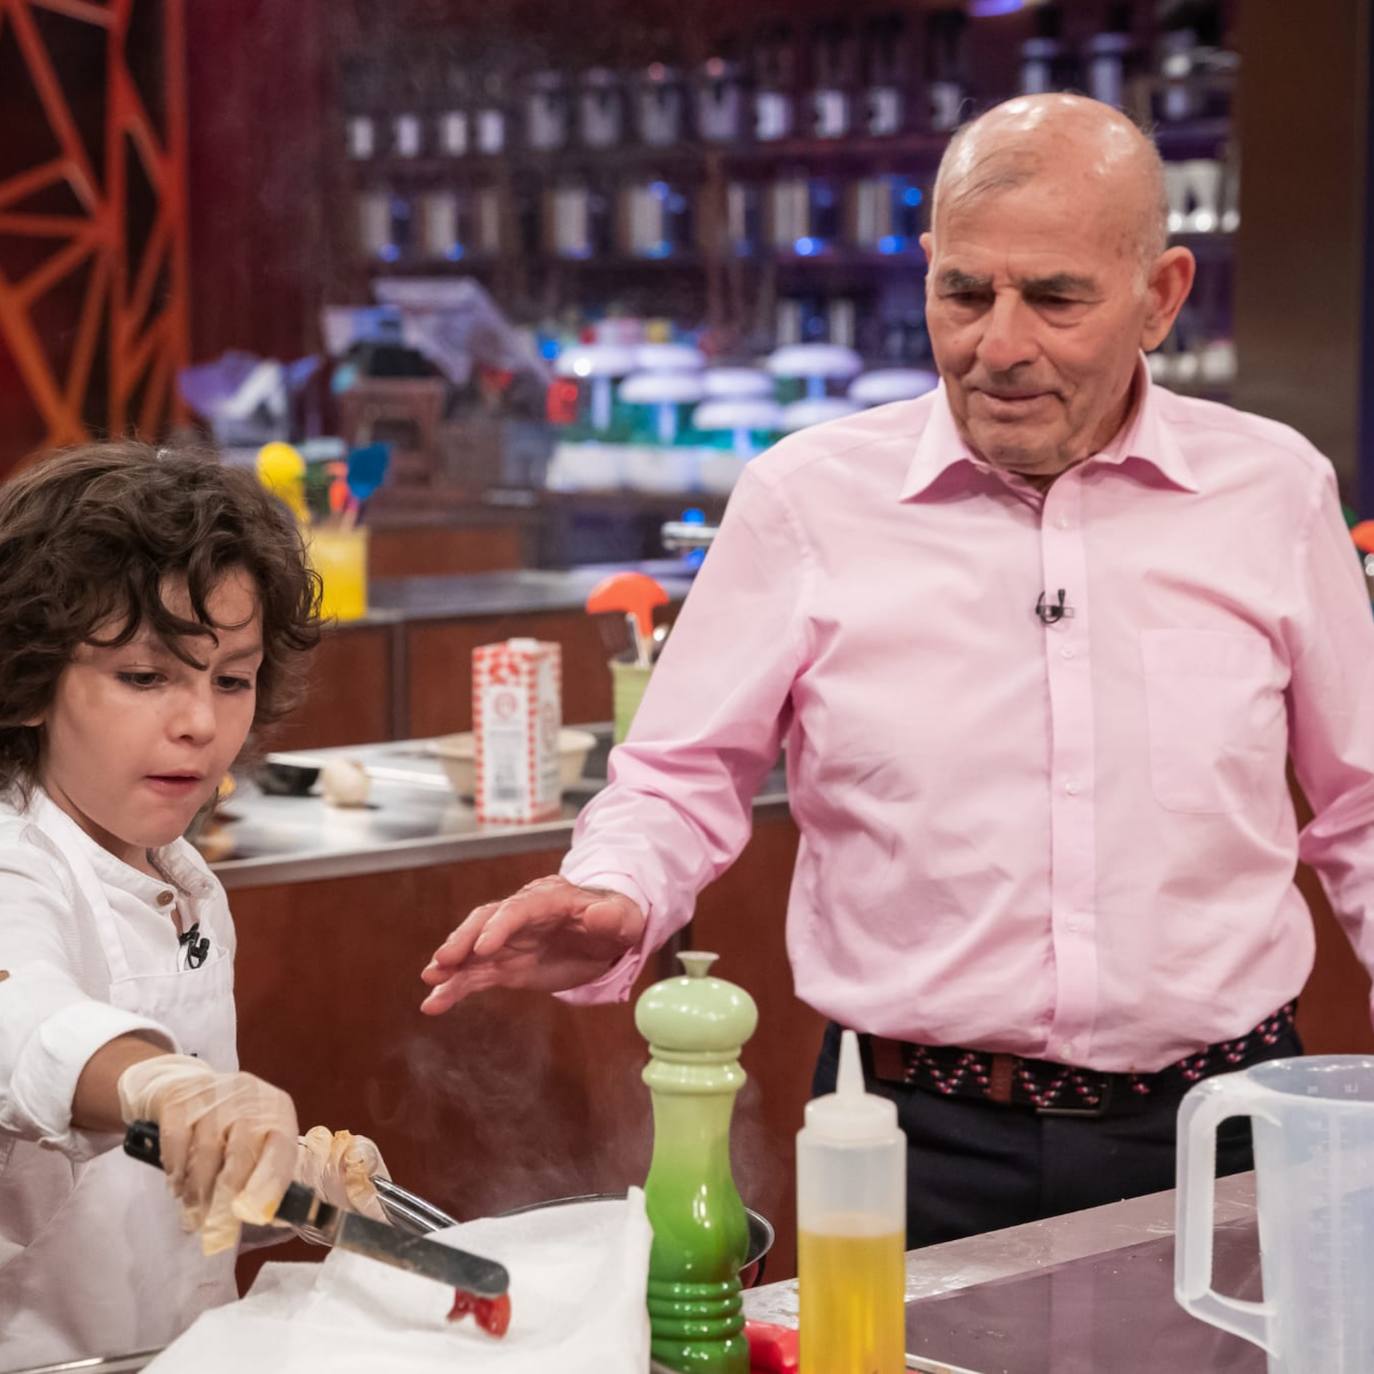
<point>352,1231</point>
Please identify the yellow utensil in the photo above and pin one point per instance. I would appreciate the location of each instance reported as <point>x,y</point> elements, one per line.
<point>281,469</point>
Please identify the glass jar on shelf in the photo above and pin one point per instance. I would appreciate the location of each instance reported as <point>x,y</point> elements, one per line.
<point>775,85</point>
<point>492,118</point>
<point>835,78</point>
<point>601,109</point>
<point>547,111</point>
<point>361,92</point>
<point>453,119</point>
<point>659,102</point>
<point>718,90</point>
<point>886,61</point>
<point>655,219</point>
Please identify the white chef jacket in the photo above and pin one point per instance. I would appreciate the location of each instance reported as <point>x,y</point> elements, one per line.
<point>54,1012</point>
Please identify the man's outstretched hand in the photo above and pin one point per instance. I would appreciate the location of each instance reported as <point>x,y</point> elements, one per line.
<point>548,936</point>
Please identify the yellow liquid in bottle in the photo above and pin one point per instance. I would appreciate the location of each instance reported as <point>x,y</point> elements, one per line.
<point>851,1293</point>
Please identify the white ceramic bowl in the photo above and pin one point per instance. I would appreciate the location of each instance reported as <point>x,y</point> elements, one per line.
<point>457,754</point>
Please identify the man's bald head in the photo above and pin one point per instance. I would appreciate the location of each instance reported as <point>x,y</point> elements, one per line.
<point>1101,158</point>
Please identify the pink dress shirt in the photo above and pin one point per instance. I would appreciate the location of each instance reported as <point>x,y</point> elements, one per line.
<point>1073,841</point>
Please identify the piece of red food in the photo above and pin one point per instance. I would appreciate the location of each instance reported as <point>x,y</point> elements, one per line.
<point>491,1314</point>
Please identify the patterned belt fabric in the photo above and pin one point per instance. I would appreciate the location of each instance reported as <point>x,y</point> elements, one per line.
<point>1060,1089</point>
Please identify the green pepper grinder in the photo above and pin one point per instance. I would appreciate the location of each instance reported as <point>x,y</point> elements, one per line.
<point>695,1026</point>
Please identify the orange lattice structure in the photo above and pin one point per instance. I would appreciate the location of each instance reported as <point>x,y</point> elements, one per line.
<point>93,231</point>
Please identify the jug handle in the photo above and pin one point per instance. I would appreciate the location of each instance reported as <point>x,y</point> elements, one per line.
<point>1203,1109</point>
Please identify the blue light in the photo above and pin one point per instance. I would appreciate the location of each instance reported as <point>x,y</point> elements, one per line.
<point>659,189</point>
<point>913,195</point>
<point>389,252</point>
<point>990,9</point>
<point>662,249</point>
<point>694,515</point>
<point>548,347</point>
<point>892,243</point>
<point>455,251</point>
<point>807,247</point>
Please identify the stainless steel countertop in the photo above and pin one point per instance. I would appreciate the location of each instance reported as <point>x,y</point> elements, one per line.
<point>520,591</point>
<point>996,1257</point>
<point>1024,1251</point>
<point>412,819</point>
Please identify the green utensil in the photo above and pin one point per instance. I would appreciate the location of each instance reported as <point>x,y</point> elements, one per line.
<point>695,1026</point>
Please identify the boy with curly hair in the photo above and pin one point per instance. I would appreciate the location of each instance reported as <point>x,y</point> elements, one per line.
<point>155,610</point>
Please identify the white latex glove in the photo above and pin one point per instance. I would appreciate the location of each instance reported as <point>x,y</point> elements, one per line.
<point>339,1165</point>
<point>228,1141</point>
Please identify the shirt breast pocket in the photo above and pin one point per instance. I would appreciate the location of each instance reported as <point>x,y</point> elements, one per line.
<point>1217,728</point>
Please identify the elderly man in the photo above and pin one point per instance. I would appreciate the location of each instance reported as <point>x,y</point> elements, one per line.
<point>1039,645</point>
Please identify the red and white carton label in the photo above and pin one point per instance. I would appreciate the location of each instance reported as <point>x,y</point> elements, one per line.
<point>517,712</point>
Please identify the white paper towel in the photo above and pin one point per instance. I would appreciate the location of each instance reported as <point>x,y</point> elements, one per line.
<point>578,1279</point>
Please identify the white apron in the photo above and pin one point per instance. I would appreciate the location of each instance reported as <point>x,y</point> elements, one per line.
<point>112,1271</point>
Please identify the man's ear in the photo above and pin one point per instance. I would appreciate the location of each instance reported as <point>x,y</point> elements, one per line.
<point>1170,281</point>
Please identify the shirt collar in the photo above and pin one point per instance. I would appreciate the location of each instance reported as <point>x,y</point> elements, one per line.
<point>181,871</point>
<point>942,459</point>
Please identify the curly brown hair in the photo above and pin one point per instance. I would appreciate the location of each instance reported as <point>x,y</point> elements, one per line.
<point>89,538</point>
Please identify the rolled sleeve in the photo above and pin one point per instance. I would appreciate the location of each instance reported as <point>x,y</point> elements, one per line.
<point>679,805</point>
<point>614,985</point>
<point>1332,717</point>
<point>53,1013</point>
<point>38,1103</point>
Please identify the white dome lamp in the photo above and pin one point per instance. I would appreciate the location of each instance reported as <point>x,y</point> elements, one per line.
<point>669,357</point>
<point>817,363</point>
<point>600,364</point>
<point>743,416</point>
<point>886,384</point>
<point>737,382</point>
<point>665,392</point>
<point>816,411</point>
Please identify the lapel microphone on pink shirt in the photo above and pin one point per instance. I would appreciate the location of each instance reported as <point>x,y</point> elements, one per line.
<point>1052,614</point>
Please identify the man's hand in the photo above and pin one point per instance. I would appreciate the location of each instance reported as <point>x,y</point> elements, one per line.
<point>549,936</point>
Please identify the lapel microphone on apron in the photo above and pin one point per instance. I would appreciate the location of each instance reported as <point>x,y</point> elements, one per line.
<point>196,945</point>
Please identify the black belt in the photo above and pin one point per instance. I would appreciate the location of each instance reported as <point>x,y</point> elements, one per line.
<point>1052,1089</point>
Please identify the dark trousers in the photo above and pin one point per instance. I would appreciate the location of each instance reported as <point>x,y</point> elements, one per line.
<point>975,1165</point>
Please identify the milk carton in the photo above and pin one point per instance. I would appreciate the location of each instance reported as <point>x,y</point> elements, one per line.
<point>517,710</point>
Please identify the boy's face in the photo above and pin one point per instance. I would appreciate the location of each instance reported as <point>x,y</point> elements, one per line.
<point>136,741</point>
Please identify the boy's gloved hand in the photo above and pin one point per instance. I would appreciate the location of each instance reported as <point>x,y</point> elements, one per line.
<point>228,1141</point>
<point>339,1165</point>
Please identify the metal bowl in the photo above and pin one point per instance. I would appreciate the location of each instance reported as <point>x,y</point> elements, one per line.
<point>280,779</point>
<point>761,1233</point>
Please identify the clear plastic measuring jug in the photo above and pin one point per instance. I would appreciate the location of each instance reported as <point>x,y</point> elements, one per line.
<point>1313,1121</point>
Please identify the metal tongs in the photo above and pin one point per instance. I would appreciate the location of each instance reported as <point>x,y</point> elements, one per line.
<point>407,1211</point>
<point>402,1247</point>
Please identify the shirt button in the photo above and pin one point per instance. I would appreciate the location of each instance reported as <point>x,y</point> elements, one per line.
<point>1072,787</point>
<point>1066,652</point>
<point>1073,927</point>
<point>1064,522</point>
<point>1066,1049</point>
<point>166,898</point>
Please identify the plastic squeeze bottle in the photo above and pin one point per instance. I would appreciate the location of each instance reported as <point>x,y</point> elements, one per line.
<point>851,1225</point>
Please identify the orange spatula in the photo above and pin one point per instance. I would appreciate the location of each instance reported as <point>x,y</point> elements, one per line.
<point>634,595</point>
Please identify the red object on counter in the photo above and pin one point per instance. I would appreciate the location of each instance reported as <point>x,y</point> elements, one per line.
<point>772,1349</point>
<point>1363,535</point>
<point>491,1314</point>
